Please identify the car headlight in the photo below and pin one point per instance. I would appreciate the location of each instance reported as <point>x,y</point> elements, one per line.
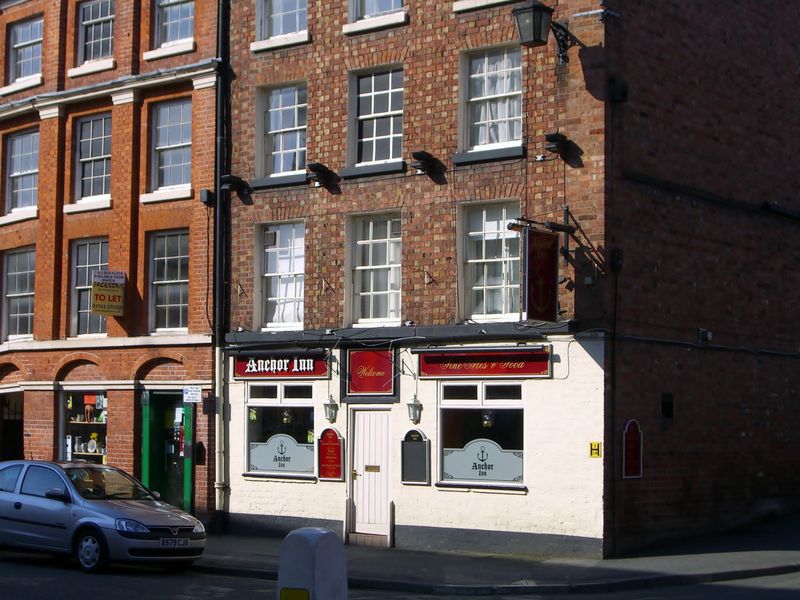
<point>131,526</point>
<point>198,528</point>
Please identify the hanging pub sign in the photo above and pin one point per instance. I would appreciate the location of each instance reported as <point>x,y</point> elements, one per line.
<point>541,275</point>
<point>108,293</point>
<point>512,362</point>
<point>286,366</point>
<point>330,454</point>
<point>370,372</point>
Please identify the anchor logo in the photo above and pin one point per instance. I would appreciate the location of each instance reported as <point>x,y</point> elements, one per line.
<point>482,455</point>
<point>281,449</point>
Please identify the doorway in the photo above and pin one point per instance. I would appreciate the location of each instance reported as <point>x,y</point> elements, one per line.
<point>370,474</point>
<point>11,436</point>
<point>167,465</point>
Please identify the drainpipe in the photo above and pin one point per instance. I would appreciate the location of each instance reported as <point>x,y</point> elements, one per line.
<point>221,207</point>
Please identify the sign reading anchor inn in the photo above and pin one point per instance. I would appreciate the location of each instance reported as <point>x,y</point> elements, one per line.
<point>282,367</point>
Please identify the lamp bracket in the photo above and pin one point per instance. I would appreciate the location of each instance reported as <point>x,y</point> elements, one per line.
<point>564,40</point>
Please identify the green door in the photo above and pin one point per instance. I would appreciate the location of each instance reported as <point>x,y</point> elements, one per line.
<point>166,446</point>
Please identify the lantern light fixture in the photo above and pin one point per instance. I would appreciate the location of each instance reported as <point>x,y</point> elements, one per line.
<point>415,410</point>
<point>534,22</point>
<point>331,409</point>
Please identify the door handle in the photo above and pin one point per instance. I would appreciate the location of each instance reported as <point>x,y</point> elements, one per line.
<point>17,505</point>
<point>355,473</point>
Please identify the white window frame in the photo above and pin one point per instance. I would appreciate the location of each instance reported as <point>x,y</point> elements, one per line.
<point>179,189</point>
<point>161,9</point>
<point>11,175</point>
<point>84,26</point>
<point>466,100</point>
<point>268,233</point>
<point>28,293</point>
<point>105,158</point>
<point>357,117</point>
<point>76,290</point>
<point>361,22</point>
<point>14,74</point>
<point>356,268</point>
<point>479,403</point>
<point>509,207</point>
<point>266,9</point>
<point>280,400</point>
<point>266,143</point>
<point>153,284</point>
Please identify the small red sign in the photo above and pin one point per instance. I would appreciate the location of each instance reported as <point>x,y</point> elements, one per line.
<point>541,275</point>
<point>494,363</point>
<point>281,367</point>
<point>371,372</point>
<point>330,455</point>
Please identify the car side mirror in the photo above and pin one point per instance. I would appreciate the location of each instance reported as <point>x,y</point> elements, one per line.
<point>155,494</point>
<point>57,494</point>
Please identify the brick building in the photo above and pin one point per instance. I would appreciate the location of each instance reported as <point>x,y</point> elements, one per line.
<point>107,123</point>
<point>394,372</point>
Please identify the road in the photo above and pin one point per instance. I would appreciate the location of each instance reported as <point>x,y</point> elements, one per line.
<point>34,577</point>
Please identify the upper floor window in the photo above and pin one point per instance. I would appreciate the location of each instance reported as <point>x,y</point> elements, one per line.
<point>96,30</point>
<point>282,17</point>
<point>88,256</point>
<point>380,116</point>
<point>494,98</point>
<point>22,168</point>
<point>283,274</point>
<point>376,268</point>
<point>492,262</point>
<point>373,8</point>
<point>169,279</point>
<point>94,156</point>
<point>285,135</point>
<point>174,21</point>
<point>20,269</point>
<point>25,49</point>
<point>172,144</point>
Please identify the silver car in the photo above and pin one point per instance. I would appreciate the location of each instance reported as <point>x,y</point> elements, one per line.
<point>95,512</point>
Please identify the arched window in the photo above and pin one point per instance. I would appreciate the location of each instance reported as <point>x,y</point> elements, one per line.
<point>632,450</point>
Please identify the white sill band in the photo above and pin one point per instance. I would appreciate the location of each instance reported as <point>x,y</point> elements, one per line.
<point>396,18</point>
<point>95,203</point>
<point>281,41</point>
<point>22,84</point>
<point>92,66</point>
<point>20,214</point>
<point>181,193</point>
<point>181,47</point>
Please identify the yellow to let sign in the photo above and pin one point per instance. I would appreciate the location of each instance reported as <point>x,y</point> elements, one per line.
<point>294,594</point>
<point>595,449</point>
<point>108,293</point>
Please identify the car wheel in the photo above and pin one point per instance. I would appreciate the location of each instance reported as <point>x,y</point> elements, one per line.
<point>90,551</point>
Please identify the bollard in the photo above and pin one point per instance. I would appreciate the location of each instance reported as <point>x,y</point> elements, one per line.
<point>312,566</point>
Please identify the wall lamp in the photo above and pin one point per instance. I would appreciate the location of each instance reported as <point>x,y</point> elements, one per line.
<point>331,409</point>
<point>534,23</point>
<point>236,184</point>
<point>425,162</point>
<point>414,410</point>
<point>322,176</point>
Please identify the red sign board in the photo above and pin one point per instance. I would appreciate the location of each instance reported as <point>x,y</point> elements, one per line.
<point>541,275</point>
<point>281,367</point>
<point>492,363</point>
<point>371,372</point>
<point>330,455</point>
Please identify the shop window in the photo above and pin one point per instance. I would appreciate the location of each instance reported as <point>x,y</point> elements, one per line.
<point>492,262</point>
<point>482,439</point>
<point>280,430</point>
<point>85,426</point>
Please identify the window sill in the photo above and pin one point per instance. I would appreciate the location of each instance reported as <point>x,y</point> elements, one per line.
<point>373,23</point>
<point>281,41</point>
<point>478,487</point>
<point>489,155</point>
<point>168,332</point>
<point>510,318</point>
<point>171,49</point>
<point>376,323</point>
<point>22,84</point>
<point>385,168</point>
<point>287,327</point>
<point>165,195</point>
<point>92,66</point>
<point>95,203</point>
<point>279,180</point>
<point>299,477</point>
<point>465,5</point>
<point>20,214</point>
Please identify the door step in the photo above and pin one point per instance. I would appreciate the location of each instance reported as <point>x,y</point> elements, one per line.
<point>368,539</point>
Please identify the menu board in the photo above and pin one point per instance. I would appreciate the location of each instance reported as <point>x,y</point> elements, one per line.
<point>331,456</point>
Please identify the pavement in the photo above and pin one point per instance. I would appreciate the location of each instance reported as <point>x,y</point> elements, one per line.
<point>768,547</point>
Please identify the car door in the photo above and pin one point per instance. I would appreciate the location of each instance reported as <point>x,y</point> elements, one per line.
<point>41,522</point>
<point>9,475</point>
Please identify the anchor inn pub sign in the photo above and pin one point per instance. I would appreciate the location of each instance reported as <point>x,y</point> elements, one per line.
<point>286,366</point>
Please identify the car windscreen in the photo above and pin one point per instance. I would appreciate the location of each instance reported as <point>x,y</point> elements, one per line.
<point>102,483</point>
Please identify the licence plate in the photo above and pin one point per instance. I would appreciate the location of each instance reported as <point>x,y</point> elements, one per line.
<point>173,542</point>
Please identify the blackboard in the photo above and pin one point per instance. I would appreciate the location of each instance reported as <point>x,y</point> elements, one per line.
<point>416,458</point>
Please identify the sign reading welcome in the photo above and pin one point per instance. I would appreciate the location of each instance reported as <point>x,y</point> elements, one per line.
<point>371,372</point>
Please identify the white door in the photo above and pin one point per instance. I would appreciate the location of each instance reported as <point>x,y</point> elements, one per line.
<point>370,475</point>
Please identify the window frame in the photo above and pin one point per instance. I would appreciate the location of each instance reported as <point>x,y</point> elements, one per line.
<point>265,145</point>
<point>104,158</point>
<point>154,284</point>
<point>76,290</point>
<point>10,205</point>
<point>465,279</point>
<point>355,268</point>
<point>85,25</point>
<point>262,286</point>
<point>156,151</point>
<point>14,74</point>
<point>265,13</point>
<point>161,7</point>
<point>30,292</point>
<point>356,117</point>
<point>465,101</point>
